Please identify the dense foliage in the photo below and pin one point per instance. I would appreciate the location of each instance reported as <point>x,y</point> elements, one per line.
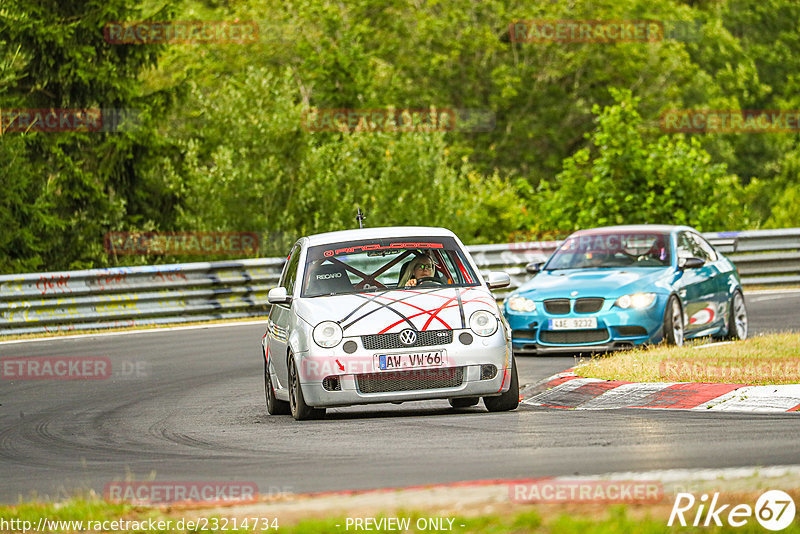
<point>220,144</point>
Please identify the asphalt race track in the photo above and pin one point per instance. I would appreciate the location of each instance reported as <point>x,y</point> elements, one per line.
<point>189,406</point>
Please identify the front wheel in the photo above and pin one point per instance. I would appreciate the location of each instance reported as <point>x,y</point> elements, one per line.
<point>508,400</point>
<point>297,403</point>
<point>737,317</point>
<point>274,406</point>
<point>673,322</point>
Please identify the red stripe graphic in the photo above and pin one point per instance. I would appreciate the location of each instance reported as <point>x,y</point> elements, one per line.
<point>432,312</point>
<point>580,395</point>
<point>595,389</point>
<point>421,310</point>
<point>439,309</point>
<point>560,380</point>
<point>463,291</point>
<point>451,299</point>
<point>505,374</point>
<point>686,396</point>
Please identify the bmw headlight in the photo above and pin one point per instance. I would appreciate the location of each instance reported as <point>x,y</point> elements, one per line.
<point>327,334</point>
<point>636,300</point>
<point>483,323</point>
<point>521,304</point>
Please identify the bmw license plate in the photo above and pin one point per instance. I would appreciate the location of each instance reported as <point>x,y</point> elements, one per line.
<point>572,323</point>
<point>388,362</point>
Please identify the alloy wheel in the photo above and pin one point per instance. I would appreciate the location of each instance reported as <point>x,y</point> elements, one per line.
<point>677,323</point>
<point>740,316</point>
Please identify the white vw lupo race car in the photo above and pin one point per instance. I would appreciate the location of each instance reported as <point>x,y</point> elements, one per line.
<point>345,328</point>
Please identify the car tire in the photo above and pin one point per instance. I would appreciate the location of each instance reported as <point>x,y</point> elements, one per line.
<point>274,405</point>
<point>673,322</point>
<point>508,400</point>
<point>464,402</point>
<point>737,317</point>
<point>297,403</point>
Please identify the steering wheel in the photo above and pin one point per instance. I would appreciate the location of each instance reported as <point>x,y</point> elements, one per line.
<point>429,281</point>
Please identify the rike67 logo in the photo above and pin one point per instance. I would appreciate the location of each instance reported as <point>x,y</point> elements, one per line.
<point>774,510</point>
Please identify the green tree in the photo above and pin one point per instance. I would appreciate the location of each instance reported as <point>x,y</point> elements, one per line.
<point>247,163</point>
<point>69,188</point>
<point>622,177</point>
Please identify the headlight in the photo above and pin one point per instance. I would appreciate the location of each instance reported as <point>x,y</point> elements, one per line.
<point>637,300</point>
<point>521,304</point>
<point>327,334</point>
<point>483,323</point>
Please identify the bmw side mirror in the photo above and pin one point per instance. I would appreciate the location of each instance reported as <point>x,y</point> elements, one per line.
<point>534,267</point>
<point>498,279</point>
<point>692,263</point>
<point>277,295</point>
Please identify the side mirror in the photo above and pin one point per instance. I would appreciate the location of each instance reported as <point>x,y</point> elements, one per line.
<point>534,267</point>
<point>277,295</point>
<point>498,279</point>
<point>692,263</point>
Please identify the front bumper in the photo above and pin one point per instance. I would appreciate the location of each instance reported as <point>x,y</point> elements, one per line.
<point>355,380</point>
<point>617,329</point>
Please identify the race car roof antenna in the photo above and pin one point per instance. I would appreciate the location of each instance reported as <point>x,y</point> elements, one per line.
<point>360,217</point>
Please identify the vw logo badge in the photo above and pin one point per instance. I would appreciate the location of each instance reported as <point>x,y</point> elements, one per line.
<point>408,337</point>
<point>573,294</point>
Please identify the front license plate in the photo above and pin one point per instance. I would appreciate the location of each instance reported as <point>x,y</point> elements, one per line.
<point>418,360</point>
<point>571,323</point>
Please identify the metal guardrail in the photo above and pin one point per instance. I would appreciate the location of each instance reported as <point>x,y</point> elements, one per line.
<point>163,294</point>
<point>135,296</point>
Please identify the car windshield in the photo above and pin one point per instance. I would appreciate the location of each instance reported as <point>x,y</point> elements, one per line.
<point>610,250</point>
<point>385,264</point>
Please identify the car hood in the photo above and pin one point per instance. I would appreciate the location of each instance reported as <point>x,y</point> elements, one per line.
<point>595,282</point>
<point>392,311</point>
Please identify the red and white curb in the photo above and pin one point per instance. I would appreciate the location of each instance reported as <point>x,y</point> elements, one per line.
<point>569,391</point>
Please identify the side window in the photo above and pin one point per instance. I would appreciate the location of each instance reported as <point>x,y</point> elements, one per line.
<point>290,272</point>
<point>709,254</point>
<point>455,262</point>
<point>686,246</point>
<point>452,267</point>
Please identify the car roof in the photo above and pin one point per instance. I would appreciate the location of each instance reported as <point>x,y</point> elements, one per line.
<point>378,233</point>
<point>660,228</point>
